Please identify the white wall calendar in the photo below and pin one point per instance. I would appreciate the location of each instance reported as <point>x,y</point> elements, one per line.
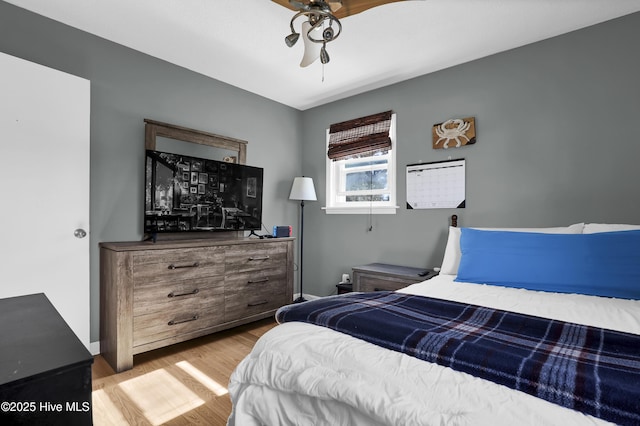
<point>436,185</point>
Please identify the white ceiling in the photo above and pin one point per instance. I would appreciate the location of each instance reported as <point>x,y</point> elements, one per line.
<point>241,42</point>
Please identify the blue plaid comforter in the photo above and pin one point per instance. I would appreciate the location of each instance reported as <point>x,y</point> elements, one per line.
<point>589,369</point>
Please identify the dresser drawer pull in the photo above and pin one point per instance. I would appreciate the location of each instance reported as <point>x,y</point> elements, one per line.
<point>193,265</point>
<point>261,280</point>
<point>175,322</point>
<point>172,294</point>
<point>260,258</point>
<point>261,302</point>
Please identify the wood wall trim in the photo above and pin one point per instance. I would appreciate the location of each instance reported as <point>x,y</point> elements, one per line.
<point>154,129</point>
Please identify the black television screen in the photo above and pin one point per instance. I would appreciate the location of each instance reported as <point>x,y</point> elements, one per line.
<point>185,194</point>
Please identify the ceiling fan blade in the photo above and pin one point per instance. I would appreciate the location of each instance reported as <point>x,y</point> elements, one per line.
<point>298,5</point>
<point>288,5</point>
<point>340,8</point>
<point>352,7</point>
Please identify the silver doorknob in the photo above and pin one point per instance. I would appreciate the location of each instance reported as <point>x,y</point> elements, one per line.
<point>79,233</point>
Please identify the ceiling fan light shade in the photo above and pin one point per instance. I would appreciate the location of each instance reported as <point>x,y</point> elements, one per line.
<point>311,49</point>
<point>291,39</point>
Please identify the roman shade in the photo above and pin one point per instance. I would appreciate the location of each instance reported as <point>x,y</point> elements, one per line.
<point>360,137</point>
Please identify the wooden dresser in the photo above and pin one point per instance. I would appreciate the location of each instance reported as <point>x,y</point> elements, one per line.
<point>156,294</point>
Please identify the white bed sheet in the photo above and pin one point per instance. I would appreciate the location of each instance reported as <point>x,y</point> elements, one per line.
<point>605,312</point>
<point>302,374</point>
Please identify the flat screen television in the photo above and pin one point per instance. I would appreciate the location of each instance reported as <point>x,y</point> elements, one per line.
<point>190,194</point>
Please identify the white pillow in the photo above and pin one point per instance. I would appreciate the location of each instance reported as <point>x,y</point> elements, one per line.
<point>594,228</point>
<point>452,253</point>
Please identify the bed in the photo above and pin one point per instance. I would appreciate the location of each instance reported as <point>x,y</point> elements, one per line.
<point>569,296</point>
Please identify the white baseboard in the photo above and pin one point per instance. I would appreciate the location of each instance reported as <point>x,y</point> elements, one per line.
<point>94,348</point>
<point>306,296</point>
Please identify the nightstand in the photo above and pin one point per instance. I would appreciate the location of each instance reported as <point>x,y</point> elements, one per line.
<point>344,288</point>
<point>381,276</point>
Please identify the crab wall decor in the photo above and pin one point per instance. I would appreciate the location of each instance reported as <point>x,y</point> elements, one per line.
<point>454,133</point>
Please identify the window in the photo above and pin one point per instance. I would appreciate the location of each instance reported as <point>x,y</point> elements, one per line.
<point>362,181</point>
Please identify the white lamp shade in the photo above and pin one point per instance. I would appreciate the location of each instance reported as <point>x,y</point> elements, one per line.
<point>311,49</point>
<point>303,189</point>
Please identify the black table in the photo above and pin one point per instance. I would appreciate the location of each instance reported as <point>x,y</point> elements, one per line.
<point>45,371</point>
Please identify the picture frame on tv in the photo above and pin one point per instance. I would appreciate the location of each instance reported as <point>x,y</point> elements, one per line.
<point>191,194</point>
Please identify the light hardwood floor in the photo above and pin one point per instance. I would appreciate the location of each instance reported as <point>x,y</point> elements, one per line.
<point>183,384</point>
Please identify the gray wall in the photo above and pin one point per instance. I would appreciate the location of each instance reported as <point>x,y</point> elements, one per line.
<point>557,143</point>
<point>126,87</point>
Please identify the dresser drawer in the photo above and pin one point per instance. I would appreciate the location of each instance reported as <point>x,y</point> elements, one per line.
<point>377,283</point>
<point>183,317</point>
<point>252,279</point>
<point>167,265</point>
<point>251,299</point>
<point>259,256</point>
<point>380,276</point>
<point>164,296</point>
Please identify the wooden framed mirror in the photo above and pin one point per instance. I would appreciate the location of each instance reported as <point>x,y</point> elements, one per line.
<point>163,137</point>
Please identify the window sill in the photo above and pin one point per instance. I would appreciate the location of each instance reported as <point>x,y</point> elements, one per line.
<point>361,210</point>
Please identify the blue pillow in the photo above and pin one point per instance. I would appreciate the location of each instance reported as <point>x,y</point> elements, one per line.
<point>603,264</point>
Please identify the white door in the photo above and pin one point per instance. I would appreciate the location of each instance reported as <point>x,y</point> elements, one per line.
<point>44,170</point>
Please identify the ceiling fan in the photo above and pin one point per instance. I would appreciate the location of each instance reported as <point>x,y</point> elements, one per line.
<point>321,17</point>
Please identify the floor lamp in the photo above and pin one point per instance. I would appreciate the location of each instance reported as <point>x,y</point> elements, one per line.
<point>303,190</point>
